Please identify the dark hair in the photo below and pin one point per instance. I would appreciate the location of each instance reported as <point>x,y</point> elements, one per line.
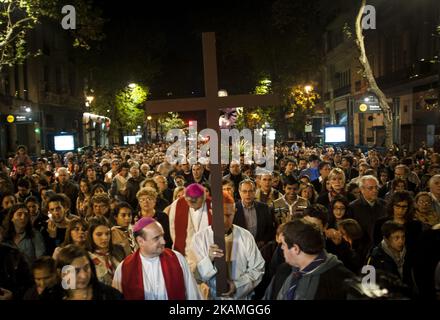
<point>72,225</point>
<point>8,224</point>
<point>389,227</point>
<point>399,197</point>
<point>95,187</point>
<point>317,211</point>
<point>352,228</point>
<point>313,157</point>
<point>4,195</point>
<point>71,252</point>
<point>339,198</point>
<point>289,180</point>
<point>31,199</point>
<point>322,164</point>
<point>24,183</point>
<point>306,235</point>
<point>93,224</point>
<point>228,181</point>
<point>349,159</point>
<point>57,198</point>
<point>352,186</point>
<point>396,182</point>
<point>120,206</point>
<point>124,165</point>
<point>46,263</point>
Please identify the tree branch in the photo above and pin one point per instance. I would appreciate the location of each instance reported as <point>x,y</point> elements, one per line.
<point>368,74</point>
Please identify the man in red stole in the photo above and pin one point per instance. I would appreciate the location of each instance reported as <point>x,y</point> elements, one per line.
<point>189,215</point>
<point>154,272</point>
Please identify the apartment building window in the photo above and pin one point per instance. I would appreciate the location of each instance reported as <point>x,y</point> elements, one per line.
<point>343,79</point>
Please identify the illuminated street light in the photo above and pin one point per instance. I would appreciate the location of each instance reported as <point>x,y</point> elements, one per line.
<point>222,93</point>
<point>149,118</point>
<point>132,85</point>
<point>308,88</point>
<point>28,109</point>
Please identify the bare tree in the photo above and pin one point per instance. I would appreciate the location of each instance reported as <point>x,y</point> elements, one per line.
<point>368,74</point>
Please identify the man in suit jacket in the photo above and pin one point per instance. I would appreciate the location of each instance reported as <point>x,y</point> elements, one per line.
<point>254,216</point>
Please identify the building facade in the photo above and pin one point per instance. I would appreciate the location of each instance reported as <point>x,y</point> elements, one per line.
<point>44,96</point>
<point>402,52</point>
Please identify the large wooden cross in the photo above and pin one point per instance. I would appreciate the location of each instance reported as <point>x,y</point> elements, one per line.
<point>211,103</point>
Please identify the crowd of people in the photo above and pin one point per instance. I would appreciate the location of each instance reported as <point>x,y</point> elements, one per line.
<point>123,223</point>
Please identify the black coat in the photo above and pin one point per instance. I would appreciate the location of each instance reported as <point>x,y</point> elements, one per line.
<point>382,261</point>
<point>366,215</point>
<point>265,221</point>
<point>329,287</point>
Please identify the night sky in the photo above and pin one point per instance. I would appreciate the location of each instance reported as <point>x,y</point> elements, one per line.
<point>159,42</point>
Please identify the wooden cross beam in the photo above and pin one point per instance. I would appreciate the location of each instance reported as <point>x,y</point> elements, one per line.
<point>211,103</point>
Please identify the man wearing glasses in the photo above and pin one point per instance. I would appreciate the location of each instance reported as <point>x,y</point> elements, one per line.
<point>369,207</point>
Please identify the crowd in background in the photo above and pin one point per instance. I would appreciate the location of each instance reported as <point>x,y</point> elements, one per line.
<point>372,209</point>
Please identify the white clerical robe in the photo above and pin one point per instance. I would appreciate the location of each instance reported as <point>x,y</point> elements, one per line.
<point>197,220</point>
<point>247,263</point>
<point>154,283</point>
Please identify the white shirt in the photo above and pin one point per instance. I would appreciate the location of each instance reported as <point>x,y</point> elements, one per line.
<point>154,283</point>
<point>197,220</point>
<point>247,263</point>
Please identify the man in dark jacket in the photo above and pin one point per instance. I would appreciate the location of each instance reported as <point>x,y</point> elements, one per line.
<point>309,272</point>
<point>236,177</point>
<point>66,186</point>
<point>368,208</point>
<point>254,216</point>
<point>133,186</point>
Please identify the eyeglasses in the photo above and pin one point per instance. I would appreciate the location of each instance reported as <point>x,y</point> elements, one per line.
<point>370,188</point>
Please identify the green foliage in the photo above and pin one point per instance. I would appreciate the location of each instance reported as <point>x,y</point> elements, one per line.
<point>129,112</point>
<point>172,121</point>
<point>19,17</point>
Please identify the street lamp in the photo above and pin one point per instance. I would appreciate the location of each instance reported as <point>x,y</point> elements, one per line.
<point>149,128</point>
<point>308,89</point>
<point>132,85</point>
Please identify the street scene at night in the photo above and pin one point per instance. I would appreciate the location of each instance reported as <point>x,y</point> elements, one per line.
<point>224,151</point>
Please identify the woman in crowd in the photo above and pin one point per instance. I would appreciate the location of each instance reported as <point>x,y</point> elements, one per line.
<point>82,202</point>
<point>336,179</point>
<point>122,232</point>
<point>105,256</point>
<point>307,192</point>
<point>424,210</point>
<point>76,234</point>
<point>338,211</point>
<point>147,202</point>
<point>400,209</point>
<point>6,201</point>
<point>177,194</point>
<point>99,206</point>
<point>20,234</point>
<point>87,285</point>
